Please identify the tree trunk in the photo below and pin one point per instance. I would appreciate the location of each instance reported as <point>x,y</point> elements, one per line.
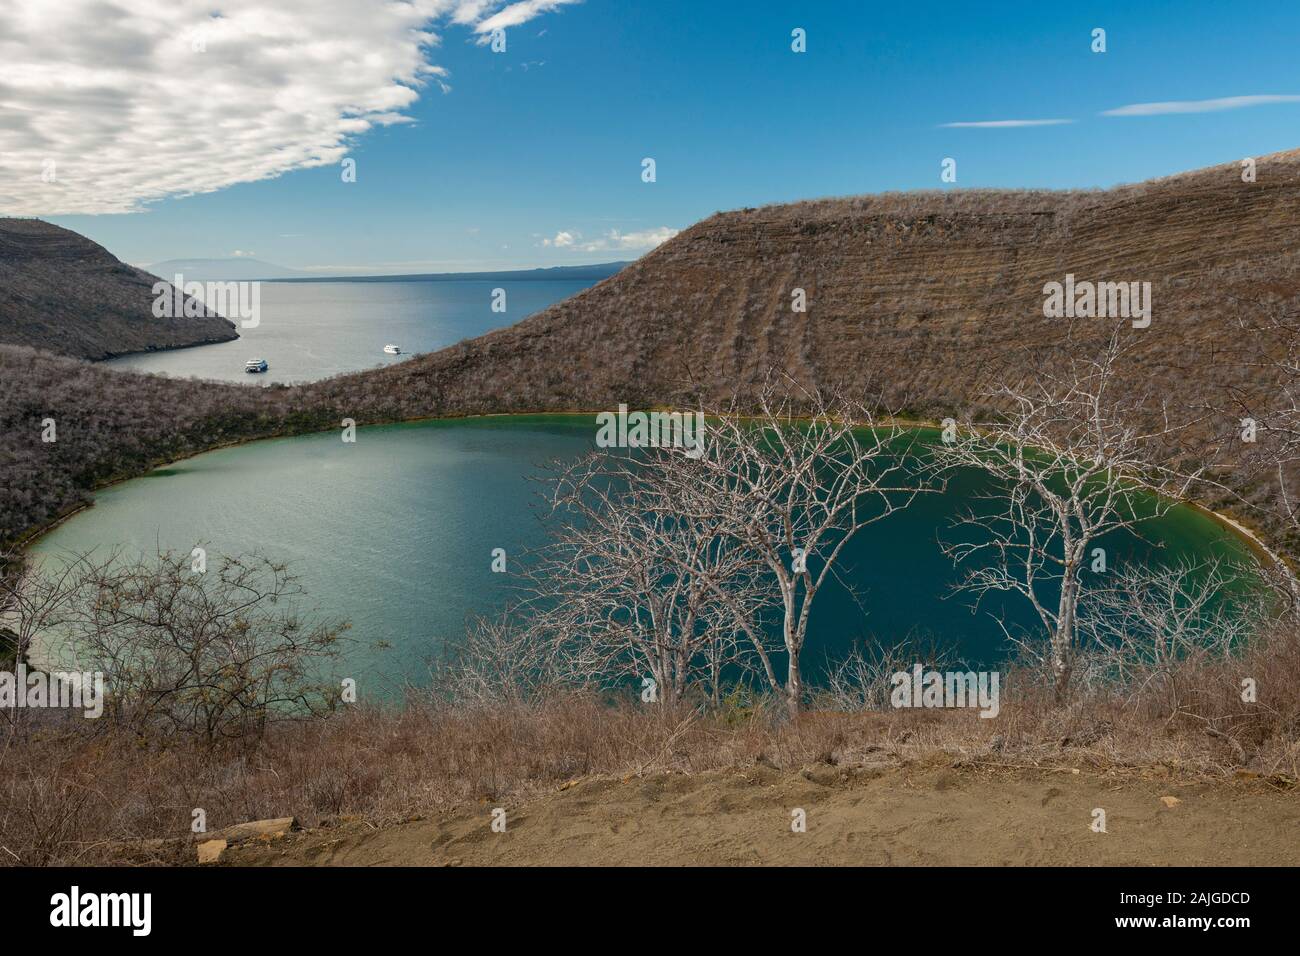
<point>793,687</point>
<point>1063,639</point>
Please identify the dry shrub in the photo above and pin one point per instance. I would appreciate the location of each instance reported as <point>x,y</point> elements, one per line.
<point>85,792</point>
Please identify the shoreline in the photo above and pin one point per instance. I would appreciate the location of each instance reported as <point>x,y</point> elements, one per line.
<point>1253,543</point>
<point>105,359</point>
<point>1252,539</point>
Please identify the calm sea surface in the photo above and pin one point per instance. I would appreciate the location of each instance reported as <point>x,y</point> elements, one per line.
<point>312,330</point>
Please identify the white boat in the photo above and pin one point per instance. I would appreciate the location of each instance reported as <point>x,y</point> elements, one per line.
<point>392,350</point>
<point>256,365</point>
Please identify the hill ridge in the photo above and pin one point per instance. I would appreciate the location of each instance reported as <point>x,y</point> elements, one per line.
<point>944,286</point>
<point>64,293</point>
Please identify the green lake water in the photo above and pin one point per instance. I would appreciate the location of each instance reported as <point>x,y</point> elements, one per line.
<point>395,533</point>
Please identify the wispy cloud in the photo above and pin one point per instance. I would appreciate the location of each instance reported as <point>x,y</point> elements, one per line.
<point>630,241</point>
<point>612,241</point>
<point>1004,124</point>
<point>516,14</point>
<point>1199,106</point>
<point>173,99</point>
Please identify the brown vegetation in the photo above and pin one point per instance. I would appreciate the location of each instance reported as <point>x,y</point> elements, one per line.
<point>933,300</point>
<point>61,292</point>
<point>84,794</point>
<point>934,297</point>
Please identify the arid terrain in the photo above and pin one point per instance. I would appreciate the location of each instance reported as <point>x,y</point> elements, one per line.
<point>928,814</point>
<point>924,298</point>
<point>65,294</point>
<point>582,781</point>
<point>929,298</point>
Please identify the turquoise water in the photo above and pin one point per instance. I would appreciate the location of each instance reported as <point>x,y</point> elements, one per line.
<point>312,330</point>
<point>396,532</point>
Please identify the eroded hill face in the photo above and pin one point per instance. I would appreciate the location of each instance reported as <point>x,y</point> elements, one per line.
<point>930,298</point>
<point>927,298</point>
<point>61,292</point>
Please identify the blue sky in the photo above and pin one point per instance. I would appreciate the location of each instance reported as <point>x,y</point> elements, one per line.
<point>548,137</point>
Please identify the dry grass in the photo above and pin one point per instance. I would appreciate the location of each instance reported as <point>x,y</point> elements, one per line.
<point>79,792</point>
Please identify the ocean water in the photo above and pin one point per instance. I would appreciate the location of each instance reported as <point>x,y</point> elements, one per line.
<point>312,330</point>
<point>395,533</point>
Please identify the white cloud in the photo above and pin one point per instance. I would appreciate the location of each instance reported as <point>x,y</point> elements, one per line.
<point>517,13</point>
<point>123,102</point>
<point>468,11</point>
<point>611,241</point>
<point>1004,124</point>
<point>1199,106</point>
<point>241,254</point>
<point>630,241</point>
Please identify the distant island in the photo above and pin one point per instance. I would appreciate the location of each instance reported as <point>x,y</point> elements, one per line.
<point>593,273</point>
<point>250,270</point>
<point>63,293</point>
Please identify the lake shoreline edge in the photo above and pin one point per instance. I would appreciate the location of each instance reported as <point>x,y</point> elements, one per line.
<point>1252,539</point>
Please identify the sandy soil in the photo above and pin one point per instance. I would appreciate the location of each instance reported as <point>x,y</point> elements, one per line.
<point>926,815</point>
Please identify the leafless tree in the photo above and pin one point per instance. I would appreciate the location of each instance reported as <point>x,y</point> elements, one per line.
<point>791,478</point>
<point>505,658</point>
<point>1067,467</point>
<point>218,653</point>
<point>862,678</point>
<point>668,558</point>
<point>635,587</point>
<point>32,599</point>
<point>1147,621</point>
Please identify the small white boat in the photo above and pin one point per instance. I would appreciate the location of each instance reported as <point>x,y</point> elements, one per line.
<point>392,350</point>
<point>256,365</point>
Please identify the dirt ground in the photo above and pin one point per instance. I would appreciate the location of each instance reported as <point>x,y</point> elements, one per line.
<point>919,815</point>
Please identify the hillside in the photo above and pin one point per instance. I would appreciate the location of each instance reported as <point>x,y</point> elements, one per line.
<point>928,297</point>
<point>61,292</point>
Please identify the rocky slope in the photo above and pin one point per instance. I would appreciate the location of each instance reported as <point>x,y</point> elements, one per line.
<point>61,292</point>
<point>928,296</point>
